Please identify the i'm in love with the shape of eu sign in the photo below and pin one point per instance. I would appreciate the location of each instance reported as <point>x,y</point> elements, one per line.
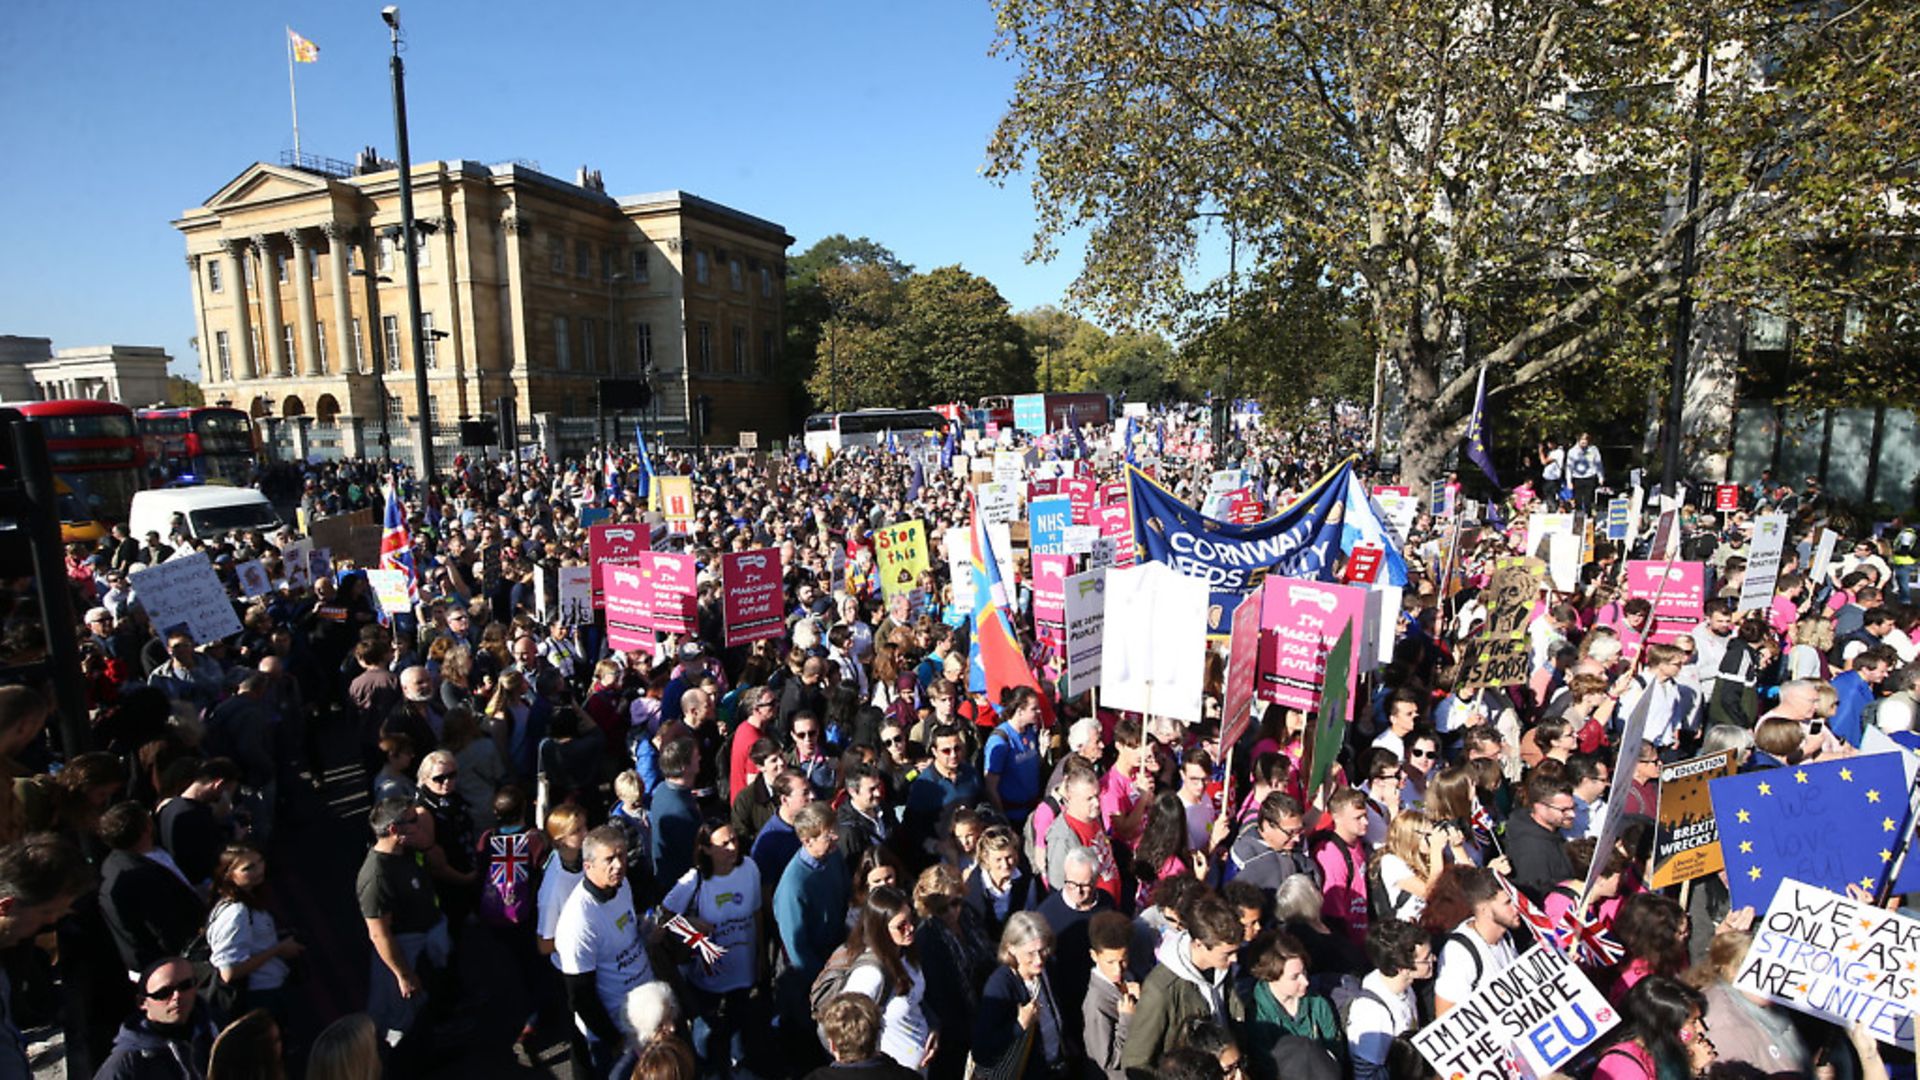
<point>1531,1019</point>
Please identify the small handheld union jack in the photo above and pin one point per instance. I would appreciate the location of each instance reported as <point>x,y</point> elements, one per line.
<point>1588,941</point>
<point>704,947</point>
<point>1536,920</point>
<point>1482,823</point>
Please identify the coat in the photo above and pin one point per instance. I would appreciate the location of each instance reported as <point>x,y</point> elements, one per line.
<point>1168,999</point>
<point>150,911</point>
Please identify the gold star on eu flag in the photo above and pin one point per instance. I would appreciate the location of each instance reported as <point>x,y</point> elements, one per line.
<point>1872,795</point>
<point>1800,776</point>
<point>1754,873</point>
<point>1764,789</point>
<point>1744,816</point>
<point>1847,775</point>
<point>1746,847</point>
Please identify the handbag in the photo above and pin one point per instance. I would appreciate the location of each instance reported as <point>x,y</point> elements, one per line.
<point>1012,1062</point>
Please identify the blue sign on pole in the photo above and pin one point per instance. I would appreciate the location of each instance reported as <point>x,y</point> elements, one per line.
<point>1030,414</point>
<point>1617,517</point>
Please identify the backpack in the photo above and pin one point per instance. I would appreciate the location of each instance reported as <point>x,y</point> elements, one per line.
<point>1380,905</point>
<point>832,980</point>
<point>507,895</point>
<point>1479,965</point>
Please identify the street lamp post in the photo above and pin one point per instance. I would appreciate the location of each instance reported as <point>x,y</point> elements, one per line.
<point>423,452</point>
<point>613,350</point>
<point>378,352</point>
<point>1683,311</point>
<point>1223,421</point>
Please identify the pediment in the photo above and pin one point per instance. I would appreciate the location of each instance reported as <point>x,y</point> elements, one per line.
<point>263,183</point>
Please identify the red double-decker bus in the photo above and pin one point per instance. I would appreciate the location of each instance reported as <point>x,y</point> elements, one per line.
<point>199,444</point>
<point>95,449</point>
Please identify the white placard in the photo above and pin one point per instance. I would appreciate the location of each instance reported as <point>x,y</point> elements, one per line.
<point>1086,629</point>
<point>296,564</point>
<point>185,591</point>
<point>390,590</point>
<point>999,501</point>
<point>1540,1007</point>
<point>1837,959</point>
<point>253,578</point>
<point>1763,562</point>
<point>1105,552</point>
<point>1079,539</point>
<point>576,595</point>
<point>1823,555</point>
<point>958,544</point>
<point>320,563</point>
<point>1151,660</point>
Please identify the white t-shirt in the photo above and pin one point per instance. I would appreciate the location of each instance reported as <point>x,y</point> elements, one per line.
<point>556,884</point>
<point>607,940</point>
<point>1394,871</point>
<point>728,903</point>
<point>236,933</point>
<point>1371,1025</point>
<point>1459,974</point>
<point>904,1030</point>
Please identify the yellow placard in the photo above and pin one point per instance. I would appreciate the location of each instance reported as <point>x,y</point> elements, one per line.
<point>900,552</point>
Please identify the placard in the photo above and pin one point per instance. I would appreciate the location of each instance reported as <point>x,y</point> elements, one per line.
<point>1150,660</point>
<point>1540,1007</point>
<point>958,545</point>
<point>1047,521</point>
<point>999,502</point>
<point>1837,959</point>
<point>1086,614</point>
<point>1502,655</point>
<point>669,591</point>
<point>1081,492</point>
<point>1726,497</point>
<point>253,578</point>
<point>676,501</point>
<point>576,595</point>
<point>753,594</point>
<point>1079,539</point>
<point>1823,554</point>
<point>1116,524</point>
<point>1049,596</point>
<point>1686,837</point>
<point>900,552</point>
<point>1363,563</point>
<point>390,591</point>
<point>295,565</point>
<point>320,563</point>
<point>1677,607</point>
<point>1617,510</point>
<point>185,591</point>
<point>616,545</point>
<point>1243,664</point>
<point>1763,562</point>
<point>1299,622</point>
<point>624,594</point>
<point>1440,499</point>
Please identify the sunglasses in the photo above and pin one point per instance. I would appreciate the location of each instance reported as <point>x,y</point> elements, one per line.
<point>1422,754</point>
<point>446,777</point>
<point>806,735</point>
<point>162,993</point>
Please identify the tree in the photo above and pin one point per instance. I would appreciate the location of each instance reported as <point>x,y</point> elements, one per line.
<point>184,391</point>
<point>830,281</point>
<point>1293,339</point>
<point>964,343</point>
<point>1501,184</point>
<point>858,356</point>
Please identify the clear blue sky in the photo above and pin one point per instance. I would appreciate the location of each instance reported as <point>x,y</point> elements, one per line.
<point>867,118</point>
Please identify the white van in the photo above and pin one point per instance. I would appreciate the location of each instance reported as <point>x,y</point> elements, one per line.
<point>210,511</point>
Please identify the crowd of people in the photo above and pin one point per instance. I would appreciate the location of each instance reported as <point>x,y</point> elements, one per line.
<point>825,854</point>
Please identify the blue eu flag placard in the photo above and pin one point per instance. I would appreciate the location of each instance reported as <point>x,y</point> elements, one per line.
<point>1831,824</point>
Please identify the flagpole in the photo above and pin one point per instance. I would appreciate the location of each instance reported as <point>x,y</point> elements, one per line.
<point>293,97</point>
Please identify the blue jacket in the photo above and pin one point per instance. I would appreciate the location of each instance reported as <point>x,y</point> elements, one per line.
<point>1854,696</point>
<point>676,818</point>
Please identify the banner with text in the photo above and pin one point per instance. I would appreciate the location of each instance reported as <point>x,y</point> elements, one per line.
<point>1540,1008</point>
<point>752,596</point>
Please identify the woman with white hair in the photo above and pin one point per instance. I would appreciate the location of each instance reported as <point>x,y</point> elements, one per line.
<point>1297,909</point>
<point>1018,1032</point>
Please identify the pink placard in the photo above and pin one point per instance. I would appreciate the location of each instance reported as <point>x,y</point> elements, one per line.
<point>617,544</point>
<point>1678,609</point>
<point>625,599</point>
<point>1300,621</point>
<point>1116,524</point>
<point>1243,660</point>
<point>753,596</point>
<point>1050,596</point>
<point>1040,489</point>
<point>1113,493</point>
<point>669,593</point>
<point>1082,491</point>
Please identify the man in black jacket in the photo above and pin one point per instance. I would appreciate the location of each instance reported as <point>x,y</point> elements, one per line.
<point>171,1035</point>
<point>150,909</point>
<point>1534,844</point>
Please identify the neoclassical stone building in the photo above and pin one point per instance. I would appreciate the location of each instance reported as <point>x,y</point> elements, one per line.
<point>530,286</point>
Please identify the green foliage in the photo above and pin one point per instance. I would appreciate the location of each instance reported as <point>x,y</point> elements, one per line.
<point>1291,337</point>
<point>1513,169</point>
<point>184,391</point>
<point>1071,354</point>
<point>961,341</point>
<point>853,284</point>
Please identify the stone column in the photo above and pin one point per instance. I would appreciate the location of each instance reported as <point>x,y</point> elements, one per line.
<point>242,345</point>
<point>303,302</point>
<point>208,362</point>
<point>337,248</point>
<point>277,362</point>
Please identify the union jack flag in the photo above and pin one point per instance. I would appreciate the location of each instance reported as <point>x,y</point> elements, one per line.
<point>1588,941</point>
<point>1482,824</point>
<point>396,545</point>
<point>509,863</point>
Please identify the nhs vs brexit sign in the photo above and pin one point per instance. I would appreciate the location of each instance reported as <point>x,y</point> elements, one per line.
<point>1531,1019</point>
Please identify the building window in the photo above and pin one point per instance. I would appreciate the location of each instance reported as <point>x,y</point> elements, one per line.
<point>582,258</point>
<point>557,254</point>
<point>639,261</point>
<point>426,338</point>
<point>313,266</point>
<point>433,411</point>
<point>700,267</point>
<point>766,282</point>
<point>739,350</point>
<point>359,357</point>
<point>320,344</point>
<point>421,257</point>
<point>643,344</point>
<point>733,275</point>
<point>706,346</point>
<point>222,348</point>
<point>246,265</point>
<point>589,346</point>
<point>280,268</point>
<point>286,342</point>
<point>253,339</point>
<point>766,352</point>
<point>395,412</point>
<point>606,264</point>
<point>562,349</point>
<point>214,284</point>
<point>386,252</point>
<point>390,329</point>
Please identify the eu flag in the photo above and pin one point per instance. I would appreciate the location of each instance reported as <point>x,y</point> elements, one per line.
<point>1831,824</point>
<point>1477,432</point>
